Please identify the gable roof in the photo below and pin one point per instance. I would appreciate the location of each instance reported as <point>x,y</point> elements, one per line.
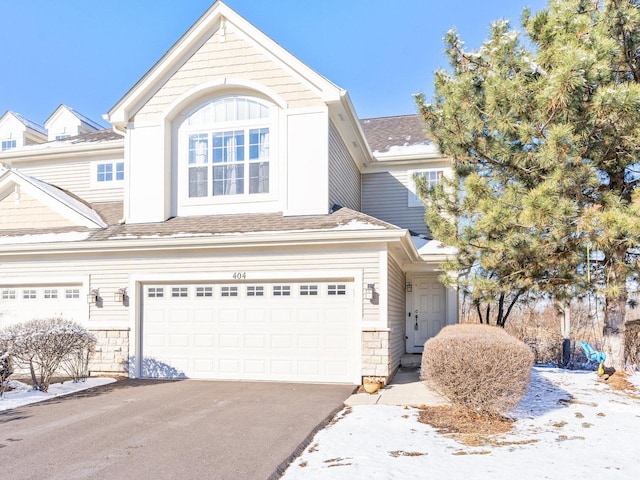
<point>402,135</point>
<point>55,198</point>
<point>26,122</point>
<point>78,115</point>
<point>211,21</point>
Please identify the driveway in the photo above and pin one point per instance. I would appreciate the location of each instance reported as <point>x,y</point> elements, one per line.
<point>147,429</point>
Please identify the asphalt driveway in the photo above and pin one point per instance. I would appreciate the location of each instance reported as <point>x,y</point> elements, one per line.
<point>147,429</point>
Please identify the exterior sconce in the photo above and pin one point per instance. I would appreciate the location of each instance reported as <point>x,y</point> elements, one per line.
<point>120,296</point>
<point>93,296</point>
<point>408,287</point>
<point>369,291</point>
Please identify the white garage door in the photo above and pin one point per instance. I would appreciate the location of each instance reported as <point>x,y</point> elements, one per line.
<point>19,303</point>
<point>265,331</point>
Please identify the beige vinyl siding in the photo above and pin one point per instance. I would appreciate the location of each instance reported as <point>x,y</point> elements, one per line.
<point>233,57</point>
<point>75,177</point>
<point>385,196</point>
<point>111,271</point>
<point>396,311</point>
<point>344,176</point>
<point>27,212</point>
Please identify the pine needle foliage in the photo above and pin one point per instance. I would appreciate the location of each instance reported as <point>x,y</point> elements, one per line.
<point>543,128</point>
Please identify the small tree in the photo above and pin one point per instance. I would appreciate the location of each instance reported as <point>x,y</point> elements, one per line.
<point>42,345</point>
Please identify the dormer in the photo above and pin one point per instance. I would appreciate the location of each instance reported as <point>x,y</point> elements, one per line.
<point>65,122</point>
<point>17,131</point>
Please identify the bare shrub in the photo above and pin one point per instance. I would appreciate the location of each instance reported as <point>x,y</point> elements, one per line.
<point>76,364</point>
<point>479,368</point>
<point>42,345</point>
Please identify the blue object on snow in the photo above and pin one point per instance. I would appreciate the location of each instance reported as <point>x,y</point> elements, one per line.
<point>592,354</point>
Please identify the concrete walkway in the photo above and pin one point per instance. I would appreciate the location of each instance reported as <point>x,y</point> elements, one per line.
<point>405,388</point>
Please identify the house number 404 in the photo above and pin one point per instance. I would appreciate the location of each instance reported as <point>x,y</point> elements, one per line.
<point>239,275</point>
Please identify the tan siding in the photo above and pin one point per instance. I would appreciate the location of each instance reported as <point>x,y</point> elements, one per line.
<point>27,212</point>
<point>111,272</point>
<point>74,177</point>
<point>344,176</point>
<point>385,196</point>
<point>396,313</point>
<point>232,58</point>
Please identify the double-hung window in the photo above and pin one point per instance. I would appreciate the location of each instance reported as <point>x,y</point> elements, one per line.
<point>431,179</point>
<point>228,148</point>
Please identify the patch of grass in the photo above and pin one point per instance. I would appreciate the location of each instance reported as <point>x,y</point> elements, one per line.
<point>401,453</point>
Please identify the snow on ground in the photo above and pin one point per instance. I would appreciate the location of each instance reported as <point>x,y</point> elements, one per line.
<point>23,394</point>
<point>569,425</point>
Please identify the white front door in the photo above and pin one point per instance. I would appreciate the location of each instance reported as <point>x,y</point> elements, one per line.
<point>428,312</point>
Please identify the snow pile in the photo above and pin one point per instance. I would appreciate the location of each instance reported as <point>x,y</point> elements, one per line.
<point>569,425</point>
<point>23,394</point>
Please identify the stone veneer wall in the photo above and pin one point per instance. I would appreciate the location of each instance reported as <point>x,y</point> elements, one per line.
<point>112,352</point>
<point>376,356</point>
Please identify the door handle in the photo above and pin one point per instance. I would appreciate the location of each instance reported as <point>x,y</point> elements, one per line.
<point>416,327</point>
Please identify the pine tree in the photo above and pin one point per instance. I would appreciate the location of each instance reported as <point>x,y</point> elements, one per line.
<point>544,135</point>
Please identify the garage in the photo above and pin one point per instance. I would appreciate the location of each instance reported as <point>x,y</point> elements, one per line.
<point>277,331</point>
<point>19,303</point>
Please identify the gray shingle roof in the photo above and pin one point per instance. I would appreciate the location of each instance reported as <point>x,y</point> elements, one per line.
<point>384,133</point>
<point>211,225</point>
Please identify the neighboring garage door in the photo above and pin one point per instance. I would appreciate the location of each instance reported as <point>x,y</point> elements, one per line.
<point>19,303</point>
<point>282,331</point>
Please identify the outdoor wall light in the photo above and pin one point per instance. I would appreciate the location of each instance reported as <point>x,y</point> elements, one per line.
<point>121,295</point>
<point>408,287</point>
<point>369,291</point>
<point>93,296</point>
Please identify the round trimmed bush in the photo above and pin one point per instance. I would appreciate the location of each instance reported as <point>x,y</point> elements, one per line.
<point>479,368</point>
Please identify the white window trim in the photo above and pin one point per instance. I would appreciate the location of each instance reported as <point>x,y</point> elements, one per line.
<point>412,197</point>
<point>184,130</point>
<point>95,184</point>
<point>15,144</point>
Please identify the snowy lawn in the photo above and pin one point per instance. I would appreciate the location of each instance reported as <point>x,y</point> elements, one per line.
<point>568,425</point>
<point>23,394</point>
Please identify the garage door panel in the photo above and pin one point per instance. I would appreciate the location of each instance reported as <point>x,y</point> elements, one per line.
<point>254,332</point>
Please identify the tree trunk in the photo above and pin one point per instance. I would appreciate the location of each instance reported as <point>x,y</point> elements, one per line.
<point>613,332</point>
<point>614,314</point>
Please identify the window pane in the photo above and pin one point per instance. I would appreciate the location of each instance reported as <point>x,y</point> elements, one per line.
<point>228,180</point>
<point>228,147</point>
<point>105,172</point>
<point>120,171</point>
<point>198,182</point>
<point>259,177</point>
<point>259,144</point>
<point>198,148</point>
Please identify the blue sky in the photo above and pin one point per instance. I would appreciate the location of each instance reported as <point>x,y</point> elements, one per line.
<point>88,54</point>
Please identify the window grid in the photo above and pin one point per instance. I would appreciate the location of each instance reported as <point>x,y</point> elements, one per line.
<point>229,161</point>
<point>431,179</point>
<point>308,290</point>
<point>71,293</point>
<point>281,291</point>
<point>109,172</point>
<point>50,293</point>
<point>29,294</point>
<point>8,144</point>
<point>179,292</point>
<point>255,291</point>
<point>155,292</point>
<point>8,294</point>
<point>337,289</point>
<point>204,291</point>
<point>229,291</point>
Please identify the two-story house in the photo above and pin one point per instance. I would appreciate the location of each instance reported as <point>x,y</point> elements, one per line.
<point>237,222</point>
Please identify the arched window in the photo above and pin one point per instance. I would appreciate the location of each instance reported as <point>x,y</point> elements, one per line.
<point>228,147</point>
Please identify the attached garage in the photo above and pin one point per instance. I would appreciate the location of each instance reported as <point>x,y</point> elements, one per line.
<point>20,302</point>
<point>275,331</point>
